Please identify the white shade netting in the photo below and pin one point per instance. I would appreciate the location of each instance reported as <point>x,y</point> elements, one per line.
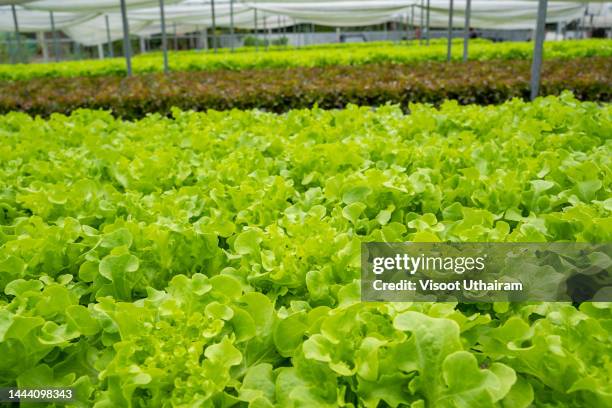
<point>197,13</point>
<point>90,5</point>
<point>501,15</point>
<point>13,2</point>
<point>485,13</point>
<point>93,31</point>
<point>335,13</point>
<point>84,20</point>
<point>34,21</point>
<point>185,18</point>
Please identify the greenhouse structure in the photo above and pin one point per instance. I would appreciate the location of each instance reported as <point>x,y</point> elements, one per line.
<point>306,203</point>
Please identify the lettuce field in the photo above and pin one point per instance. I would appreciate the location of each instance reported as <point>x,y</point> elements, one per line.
<point>313,56</point>
<point>212,259</point>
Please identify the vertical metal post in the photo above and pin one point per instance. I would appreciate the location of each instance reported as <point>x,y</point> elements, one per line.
<point>17,37</point>
<point>412,27</point>
<point>100,51</point>
<point>56,47</point>
<point>214,25</point>
<point>564,31</point>
<point>450,31</point>
<point>175,37</point>
<point>422,22</point>
<point>583,24</point>
<point>284,31</point>
<point>108,37</point>
<point>40,36</point>
<point>162,16</point>
<point>312,33</point>
<point>265,30</point>
<point>126,39</point>
<point>394,26</point>
<point>466,29</point>
<point>427,24</point>
<point>78,50</point>
<point>204,37</point>
<point>143,46</point>
<point>256,33</point>
<point>232,33</point>
<point>538,48</point>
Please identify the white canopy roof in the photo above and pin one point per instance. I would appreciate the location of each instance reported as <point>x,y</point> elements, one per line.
<point>88,5</point>
<point>84,20</point>
<point>93,31</point>
<point>503,15</point>
<point>34,21</point>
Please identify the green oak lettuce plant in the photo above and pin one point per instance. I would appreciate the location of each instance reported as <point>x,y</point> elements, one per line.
<point>212,259</point>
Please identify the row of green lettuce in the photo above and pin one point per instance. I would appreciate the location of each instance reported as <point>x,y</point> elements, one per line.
<point>348,54</point>
<point>212,259</point>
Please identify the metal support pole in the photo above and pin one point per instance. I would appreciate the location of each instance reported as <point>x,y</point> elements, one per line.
<point>56,47</point>
<point>126,39</point>
<point>564,31</point>
<point>394,25</point>
<point>427,23</point>
<point>100,51</point>
<point>422,22</point>
<point>312,33</point>
<point>466,29</point>
<point>270,35</point>
<point>17,37</point>
<point>450,31</point>
<point>583,24</point>
<point>162,16</point>
<point>265,30</point>
<point>214,26</point>
<point>175,38</point>
<point>40,36</point>
<point>204,36</point>
<point>538,48</point>
<point>412,27</point>
<point>256,32</point>
<point>284,32</point>
<point>108,38</point>
<point>143,46</point>
<point>232,33</point>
